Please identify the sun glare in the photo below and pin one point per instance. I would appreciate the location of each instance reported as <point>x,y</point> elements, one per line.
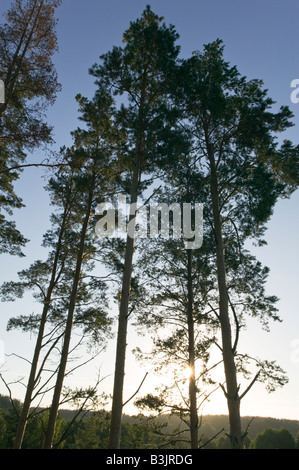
<point>187,372</point>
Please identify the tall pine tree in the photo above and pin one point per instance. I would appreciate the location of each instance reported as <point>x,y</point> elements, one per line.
<point>235,134</point>
<point>27,44</point>
<point>141,71</point>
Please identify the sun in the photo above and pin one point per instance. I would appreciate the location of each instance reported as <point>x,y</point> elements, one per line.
<point>187,372</point>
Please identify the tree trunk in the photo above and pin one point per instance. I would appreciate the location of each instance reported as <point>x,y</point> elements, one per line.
<point>31,381</point>
<point>32,376</point>
<point>232,389</point>
<point>119,373</point>
<point>191,360</point>
<point>48,443</point>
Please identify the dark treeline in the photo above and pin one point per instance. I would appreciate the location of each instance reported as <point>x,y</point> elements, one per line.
<point>159,130</point>
<point>140,432</point>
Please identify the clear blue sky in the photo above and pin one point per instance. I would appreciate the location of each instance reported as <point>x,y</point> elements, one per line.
<point>261,37</point>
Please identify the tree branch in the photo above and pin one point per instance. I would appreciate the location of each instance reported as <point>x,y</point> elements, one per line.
<point>137,391</point>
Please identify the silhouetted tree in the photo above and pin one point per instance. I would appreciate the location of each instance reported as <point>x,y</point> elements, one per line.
<point>273,439</point>
<point>234,134</point>
<point>141,71</point>
<point>27,44</point>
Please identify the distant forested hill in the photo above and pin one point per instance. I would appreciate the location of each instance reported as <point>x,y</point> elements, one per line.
<point>211,425</point>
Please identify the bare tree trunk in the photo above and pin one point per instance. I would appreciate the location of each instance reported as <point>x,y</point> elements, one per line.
<point>48,443</point>
<point>191,360</point>
<point>119,373</point>
<point>31,381</point>
<point>38,346</point>
<point>232,389</point>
